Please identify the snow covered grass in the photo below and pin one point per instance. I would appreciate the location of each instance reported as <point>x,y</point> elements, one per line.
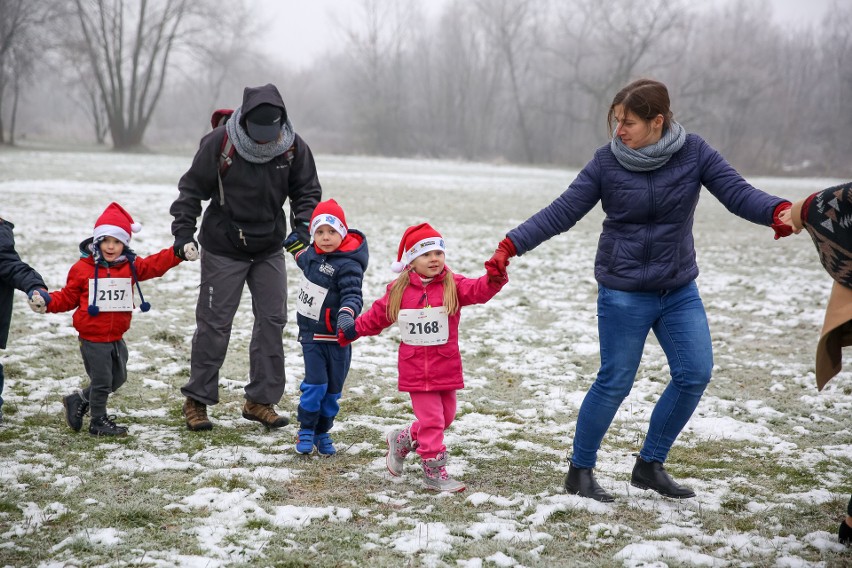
<point>767,454</point>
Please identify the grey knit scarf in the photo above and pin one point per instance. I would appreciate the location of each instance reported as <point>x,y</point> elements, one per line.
<point>250,150</point>
<point>651,157</point>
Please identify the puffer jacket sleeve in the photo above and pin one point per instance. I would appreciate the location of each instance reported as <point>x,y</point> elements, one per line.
<point>76,286</point>
<point>476,290</point>
<point>563,213</point>
<point>374,320</point>
<point>303,258</point>
<point>735,193</point>
<point>156,265</point>
<point>349,282</point>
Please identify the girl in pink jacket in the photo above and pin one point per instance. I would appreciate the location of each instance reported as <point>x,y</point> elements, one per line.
<point>425,301</point>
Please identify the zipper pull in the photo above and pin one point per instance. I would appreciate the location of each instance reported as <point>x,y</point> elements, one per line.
<point>243,238</point>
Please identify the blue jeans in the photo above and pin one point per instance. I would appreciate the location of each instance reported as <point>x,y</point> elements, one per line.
<point>624,320</point>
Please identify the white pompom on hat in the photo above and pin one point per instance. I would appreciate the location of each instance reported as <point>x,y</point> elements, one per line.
<point>329,213</point>
<point>115,222</point>
<point>417,240</point>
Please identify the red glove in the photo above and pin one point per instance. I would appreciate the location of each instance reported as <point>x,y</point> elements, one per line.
<point>781,229</point>
<point>341,339</point>
<point>494,274</point>
<point>500,259</point>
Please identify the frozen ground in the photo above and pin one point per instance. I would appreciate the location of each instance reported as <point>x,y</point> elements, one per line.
<point>767,454</point>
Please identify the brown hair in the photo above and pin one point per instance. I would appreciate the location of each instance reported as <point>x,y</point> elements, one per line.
<point>451,294</point>
<point>646,99</point>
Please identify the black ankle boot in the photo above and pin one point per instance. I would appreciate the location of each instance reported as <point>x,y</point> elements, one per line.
<point>844,533</point>
<point>106,426</point>
<point>652,475</point>
<point>581,481</point>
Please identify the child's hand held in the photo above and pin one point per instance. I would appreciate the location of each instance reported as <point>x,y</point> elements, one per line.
<point>341,339</point>
<point>500,258</point>
<point>494,272</point>
<point>294,243</point>
<point>38,300</point>
<point>187,251</point>
<point>346,325</point>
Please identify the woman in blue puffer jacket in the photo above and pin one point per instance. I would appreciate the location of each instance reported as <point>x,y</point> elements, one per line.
<point>648,180</point>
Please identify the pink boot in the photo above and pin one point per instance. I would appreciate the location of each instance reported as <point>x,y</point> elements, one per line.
<point>400,445</point>
<point>436,477</point>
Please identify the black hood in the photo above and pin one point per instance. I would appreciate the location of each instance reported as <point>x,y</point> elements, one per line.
<point>256,96</point>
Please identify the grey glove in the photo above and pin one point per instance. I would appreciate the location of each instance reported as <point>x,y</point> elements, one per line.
<point>38,300</point>
<point>187,251</point>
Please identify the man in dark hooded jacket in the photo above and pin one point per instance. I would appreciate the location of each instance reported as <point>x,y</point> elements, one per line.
<point>242,237</point>
<point>15,274</point>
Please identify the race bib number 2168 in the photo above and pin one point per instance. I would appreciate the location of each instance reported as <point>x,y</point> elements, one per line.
<point>428,326</point>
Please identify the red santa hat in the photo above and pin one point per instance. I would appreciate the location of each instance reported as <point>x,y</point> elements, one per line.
<point>329,213</point>
<point>417,240</point>
<point>115,222</point>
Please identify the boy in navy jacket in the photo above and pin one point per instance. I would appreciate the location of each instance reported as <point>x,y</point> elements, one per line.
<point>329,299</point>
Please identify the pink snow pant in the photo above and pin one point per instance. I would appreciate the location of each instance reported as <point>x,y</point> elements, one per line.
<point>435,411</point>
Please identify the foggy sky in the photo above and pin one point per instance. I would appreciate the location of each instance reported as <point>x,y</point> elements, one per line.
<point>298,32</point>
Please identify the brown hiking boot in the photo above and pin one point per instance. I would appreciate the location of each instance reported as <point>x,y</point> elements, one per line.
<point>196,415</point>
<point>265,414</point>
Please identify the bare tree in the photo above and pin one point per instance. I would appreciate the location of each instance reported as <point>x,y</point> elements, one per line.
<point>457,87</point>
<point>129,47</point>
<point>511,28</point>
<point>378,45</point>
<point>835,89</point>
<point>607,43</point>
<point>20,22</point>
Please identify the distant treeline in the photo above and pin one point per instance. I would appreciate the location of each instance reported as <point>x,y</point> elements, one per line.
<point>524,81</point>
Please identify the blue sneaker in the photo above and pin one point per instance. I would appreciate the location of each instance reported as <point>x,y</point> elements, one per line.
<point>305,442</point>
<point>324,444</point>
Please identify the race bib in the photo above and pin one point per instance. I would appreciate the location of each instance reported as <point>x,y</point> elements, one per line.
<point>114,294</point>
<point>311,297</point>
<point>428,326</point>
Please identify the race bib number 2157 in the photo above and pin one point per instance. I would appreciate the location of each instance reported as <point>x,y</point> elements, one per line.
<point>113,294</point>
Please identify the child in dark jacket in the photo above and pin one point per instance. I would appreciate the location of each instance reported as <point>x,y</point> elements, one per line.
<point>426,302</point>
<point>15,274</point>
<point>100,287</point>
<point>329,299</point>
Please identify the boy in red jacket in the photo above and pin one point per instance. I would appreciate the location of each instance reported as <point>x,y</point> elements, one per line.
<point>100,287</point>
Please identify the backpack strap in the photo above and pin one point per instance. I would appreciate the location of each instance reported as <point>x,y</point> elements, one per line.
<point>226,158</point>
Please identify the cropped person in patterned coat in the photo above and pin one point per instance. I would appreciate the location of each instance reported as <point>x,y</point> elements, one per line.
<point>827,217</point>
